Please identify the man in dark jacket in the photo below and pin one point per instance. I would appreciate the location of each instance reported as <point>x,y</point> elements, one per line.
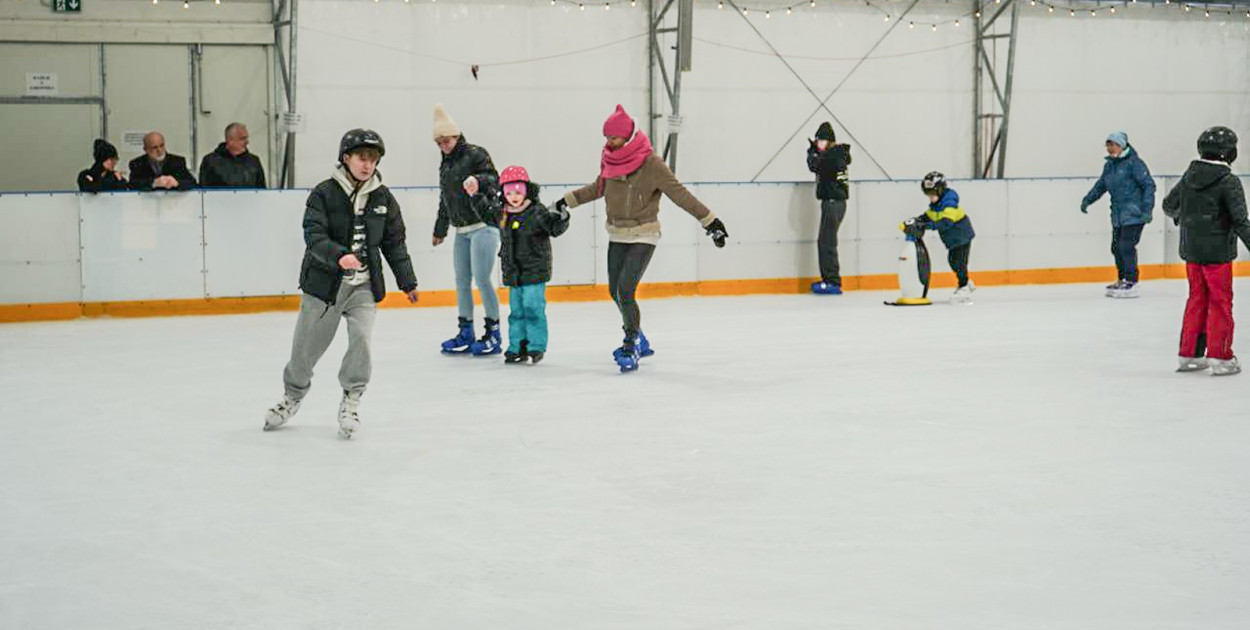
<point>1209,205</point>
<point>469,201</point>
<point>158,170</point>
<point>829,160</point>
<point>1126,178</point>
<point>350,224</point>
<point>103,173</point>
<point>231,165</point>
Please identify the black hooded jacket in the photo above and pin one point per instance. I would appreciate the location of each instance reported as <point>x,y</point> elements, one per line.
<point>219,169</point>
<point>455,206</point>
<point>525,242</point>
<point>1209,205</point>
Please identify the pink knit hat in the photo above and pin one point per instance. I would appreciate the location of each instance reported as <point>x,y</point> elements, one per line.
<point>619,124</point>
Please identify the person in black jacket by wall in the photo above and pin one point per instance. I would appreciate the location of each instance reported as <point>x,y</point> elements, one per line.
<point>1209,205</point>
<point>157,169</point>
<point>231,165</point>
<point>829,160</point>
<point>103,174</point>
<point>526,230</point>
<point>351,223</point>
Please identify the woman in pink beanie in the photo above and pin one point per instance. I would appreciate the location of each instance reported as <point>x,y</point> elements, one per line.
<point>631,179</point>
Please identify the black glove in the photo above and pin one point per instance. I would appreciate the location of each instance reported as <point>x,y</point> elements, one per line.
<point>562,206</point>
<point>561,212</point>
<point>716,230</point>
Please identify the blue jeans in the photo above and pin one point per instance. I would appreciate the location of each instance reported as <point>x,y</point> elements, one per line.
<point>475,255</point>
<point>527,320</point>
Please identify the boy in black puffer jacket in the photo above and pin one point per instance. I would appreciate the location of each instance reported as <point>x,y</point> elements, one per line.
<point>351,224</point>
<point>526,230</point>
<point>1209,205</point>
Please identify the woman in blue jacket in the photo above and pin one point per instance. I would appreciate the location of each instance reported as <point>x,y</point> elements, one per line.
<point>1132,190</point>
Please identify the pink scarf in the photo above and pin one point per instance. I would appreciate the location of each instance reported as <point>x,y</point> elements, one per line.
<point>625,160</point>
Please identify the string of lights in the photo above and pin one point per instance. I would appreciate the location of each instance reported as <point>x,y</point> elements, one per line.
<point>1104,8</point>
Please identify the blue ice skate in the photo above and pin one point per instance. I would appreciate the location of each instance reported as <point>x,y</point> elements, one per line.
<point>627,356</point>
<point>490,343</point>
<point>826,288</point>
<point>462,341</point>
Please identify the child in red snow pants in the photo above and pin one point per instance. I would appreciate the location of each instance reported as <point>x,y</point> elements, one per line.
<point>1208,327</point>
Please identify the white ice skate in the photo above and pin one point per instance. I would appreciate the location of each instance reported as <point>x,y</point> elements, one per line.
<point>280,413</point>
<point>1112,288</point>
<point>1127,291</point>
<point>1192,364</point>
<point>349,419</point>
<point>963,295</point>
<point>1224,368</point>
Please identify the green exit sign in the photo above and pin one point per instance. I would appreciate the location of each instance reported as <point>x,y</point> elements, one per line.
<point>67,6</point>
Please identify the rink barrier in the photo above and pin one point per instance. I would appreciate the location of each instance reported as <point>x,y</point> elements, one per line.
<point>10,313</point>
<point>220,252</point>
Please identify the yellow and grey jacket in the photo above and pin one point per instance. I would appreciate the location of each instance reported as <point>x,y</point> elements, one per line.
<point>950,221</point>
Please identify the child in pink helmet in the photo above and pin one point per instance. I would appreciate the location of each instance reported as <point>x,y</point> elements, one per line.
<point>526,229</point>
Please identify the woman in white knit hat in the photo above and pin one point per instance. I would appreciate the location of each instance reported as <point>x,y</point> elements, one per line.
<point>469,201</point>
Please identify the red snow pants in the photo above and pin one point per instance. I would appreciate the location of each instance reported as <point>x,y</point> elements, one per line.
<point>1208,327</point>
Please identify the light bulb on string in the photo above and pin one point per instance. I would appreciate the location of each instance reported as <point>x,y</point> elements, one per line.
<point>745,11</point>
<point>789,10</point>
<point>1112,10</point>
<point>911,25</point>
<point>956,23</point>
<point>1187,8</point>
<point>633,3</point>
<point>607,6</point>
<point>768,15</point>
<point>813,3</point>
<point>1207,13</point>
<point>719,5</point>
<point>976,14</point>
<point>1050,9</point>
<point>582,7</point>
<point>1093,13</point>
<point>1071,13</point>
<point>156,1</point>
<point>186,4</point>
<point>1032,3</point>
<point>887,17</point>
<point>935,28</point>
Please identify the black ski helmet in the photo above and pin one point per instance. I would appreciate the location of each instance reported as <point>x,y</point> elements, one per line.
<point>934,181</point>
<point>357,138</point>
<point>1218,143</point>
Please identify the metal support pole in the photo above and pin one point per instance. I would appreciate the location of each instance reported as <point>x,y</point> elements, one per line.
<point>985,64</point>
<point>651,53</point>
<point>104,105</point>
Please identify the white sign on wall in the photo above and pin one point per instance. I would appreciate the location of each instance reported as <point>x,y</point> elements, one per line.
<point>42,84</point>
<point>132,142</point>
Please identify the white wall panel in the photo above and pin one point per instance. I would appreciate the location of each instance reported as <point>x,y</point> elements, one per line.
<point>142,246</point>
<point>254,242</point>
<point>40,260</point>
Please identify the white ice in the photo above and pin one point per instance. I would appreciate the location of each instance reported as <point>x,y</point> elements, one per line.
<point>783,462</point>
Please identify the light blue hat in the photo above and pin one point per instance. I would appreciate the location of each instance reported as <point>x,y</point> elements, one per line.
<point>1120,138</point>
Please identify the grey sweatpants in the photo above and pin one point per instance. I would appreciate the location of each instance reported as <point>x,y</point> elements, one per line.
<point>832,212</point>
<point>315,329</point>
<point>474,255</point>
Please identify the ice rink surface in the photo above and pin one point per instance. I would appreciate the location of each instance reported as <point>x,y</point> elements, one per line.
<point>781,463</point>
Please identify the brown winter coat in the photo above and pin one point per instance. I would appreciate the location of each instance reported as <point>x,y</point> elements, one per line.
<point>633,201</point>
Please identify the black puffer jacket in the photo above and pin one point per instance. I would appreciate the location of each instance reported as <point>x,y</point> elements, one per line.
<point>830,169</point>
<point>455,206</point>
<point>1209,204</point>
<point>328,224</point>
<point>219,169</point>
<point>525,243</point>
<point>96,179</point>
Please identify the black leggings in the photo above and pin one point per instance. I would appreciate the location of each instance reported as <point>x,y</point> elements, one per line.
<point>1124,242</point>
<point>626,264</point>
<point>958,258</point>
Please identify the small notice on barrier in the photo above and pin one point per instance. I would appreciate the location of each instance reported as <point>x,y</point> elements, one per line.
<point>293,122</point>
<point>674,123</point>
<point>42,84</point>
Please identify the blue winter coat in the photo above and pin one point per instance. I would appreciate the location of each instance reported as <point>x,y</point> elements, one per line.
<point>950,221</point>
<point>1131,187</point>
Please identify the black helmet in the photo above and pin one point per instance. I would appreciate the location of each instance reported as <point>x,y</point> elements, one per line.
<point>357,138</point>
<point>934,181</point>
<point>1218,143</point>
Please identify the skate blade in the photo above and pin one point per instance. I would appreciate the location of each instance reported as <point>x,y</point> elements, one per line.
<point>465,351</point>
